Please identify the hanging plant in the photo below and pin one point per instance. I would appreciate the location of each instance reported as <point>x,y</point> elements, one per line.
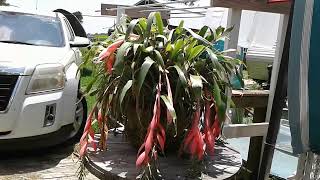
<point>166,87</point>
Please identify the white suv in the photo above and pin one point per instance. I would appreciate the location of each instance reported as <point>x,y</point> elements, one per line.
<point>39,83</point>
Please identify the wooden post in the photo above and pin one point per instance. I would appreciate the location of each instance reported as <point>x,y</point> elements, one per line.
<point>120,13</point>
<point>256,144</point>
<point>234,18</point>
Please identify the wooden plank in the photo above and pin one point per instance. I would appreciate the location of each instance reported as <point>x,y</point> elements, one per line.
<point>255,5</point>
<point>250,98</point>
<point>245,130</point>
<point>104,10</point>
<point>250,93</point>
<point>133,13</point>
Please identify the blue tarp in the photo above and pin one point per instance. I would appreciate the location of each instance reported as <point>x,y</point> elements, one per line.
<point>304,77</point>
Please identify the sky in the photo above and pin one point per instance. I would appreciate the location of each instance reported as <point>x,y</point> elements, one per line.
<point>87,7</point>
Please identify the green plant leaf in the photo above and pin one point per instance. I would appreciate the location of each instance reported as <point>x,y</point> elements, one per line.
<point>91,83</point>
<point>162,38</point>
<point>227,31</point>
<point>121,53</point>
<point>199,38</point>
<point>196,51</point>
<point>149,49</point>
<point>232,104</point>
<point>181,24</point>
<point>228,51</point>
<point>180,27</point>
<point>143,23</point>
<point>159,22</point>
<point>221,105</point>
<point>216,64</point>
<point>219,31</point>
<point>136,47</point>
<point>212,55</point>
<point>190,46</point>
<point>182,77</point>
<point>169,47</point>
<point>149,25</point>
<point>240,77</point>
<point>210,37</point>
<point>130,28</point>
<point>172,111</point>
<point>159,58</point>
<point>176,48</point>
<point>196,84</point>
<point>169,105</point>
<point>124,91</point>
<point>143,72</point>
<point>203,31</point>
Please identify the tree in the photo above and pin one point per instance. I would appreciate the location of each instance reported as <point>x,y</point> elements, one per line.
<point>78,14</point>
<point>3,3</point>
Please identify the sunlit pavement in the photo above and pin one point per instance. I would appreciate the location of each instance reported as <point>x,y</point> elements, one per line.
<point>51,163</point>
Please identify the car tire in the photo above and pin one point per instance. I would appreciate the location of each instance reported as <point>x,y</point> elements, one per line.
<point>78,125</point>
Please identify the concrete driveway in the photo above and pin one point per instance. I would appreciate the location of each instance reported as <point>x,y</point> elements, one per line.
<point>52,163</point>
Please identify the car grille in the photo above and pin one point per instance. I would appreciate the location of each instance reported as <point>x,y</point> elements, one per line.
<point>7,84</point>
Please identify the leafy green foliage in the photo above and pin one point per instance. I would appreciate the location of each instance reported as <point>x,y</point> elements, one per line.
<point>150,62</point>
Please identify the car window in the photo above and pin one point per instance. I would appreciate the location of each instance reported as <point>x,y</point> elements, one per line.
<point>30,29</point>
<point>69,36</point>
<point>70,32</point>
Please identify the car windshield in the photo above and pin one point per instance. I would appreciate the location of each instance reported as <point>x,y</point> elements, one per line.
<point>20,28</point>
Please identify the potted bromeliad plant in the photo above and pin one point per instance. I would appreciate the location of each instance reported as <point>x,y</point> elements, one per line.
<point>167,87</point>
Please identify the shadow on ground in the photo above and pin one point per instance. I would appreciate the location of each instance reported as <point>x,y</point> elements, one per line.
<point>22,162</point>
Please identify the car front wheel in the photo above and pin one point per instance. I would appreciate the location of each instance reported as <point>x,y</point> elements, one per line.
<point>79,118</point>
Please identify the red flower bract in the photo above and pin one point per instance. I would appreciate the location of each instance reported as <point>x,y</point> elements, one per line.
<point>209,136</point>
<point>155,135</point>
<point>87,136</point>
<point>108,56</point>
<point>193,142</point>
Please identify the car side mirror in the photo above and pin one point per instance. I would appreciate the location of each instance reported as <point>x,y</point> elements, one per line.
<point>80,42</point>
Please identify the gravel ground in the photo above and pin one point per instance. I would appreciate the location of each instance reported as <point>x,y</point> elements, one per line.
<point>52,163</point>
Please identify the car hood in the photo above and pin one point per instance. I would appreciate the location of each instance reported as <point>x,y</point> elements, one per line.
<point>24,58</point>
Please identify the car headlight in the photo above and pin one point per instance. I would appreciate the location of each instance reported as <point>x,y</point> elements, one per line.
<point>47,77</point>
